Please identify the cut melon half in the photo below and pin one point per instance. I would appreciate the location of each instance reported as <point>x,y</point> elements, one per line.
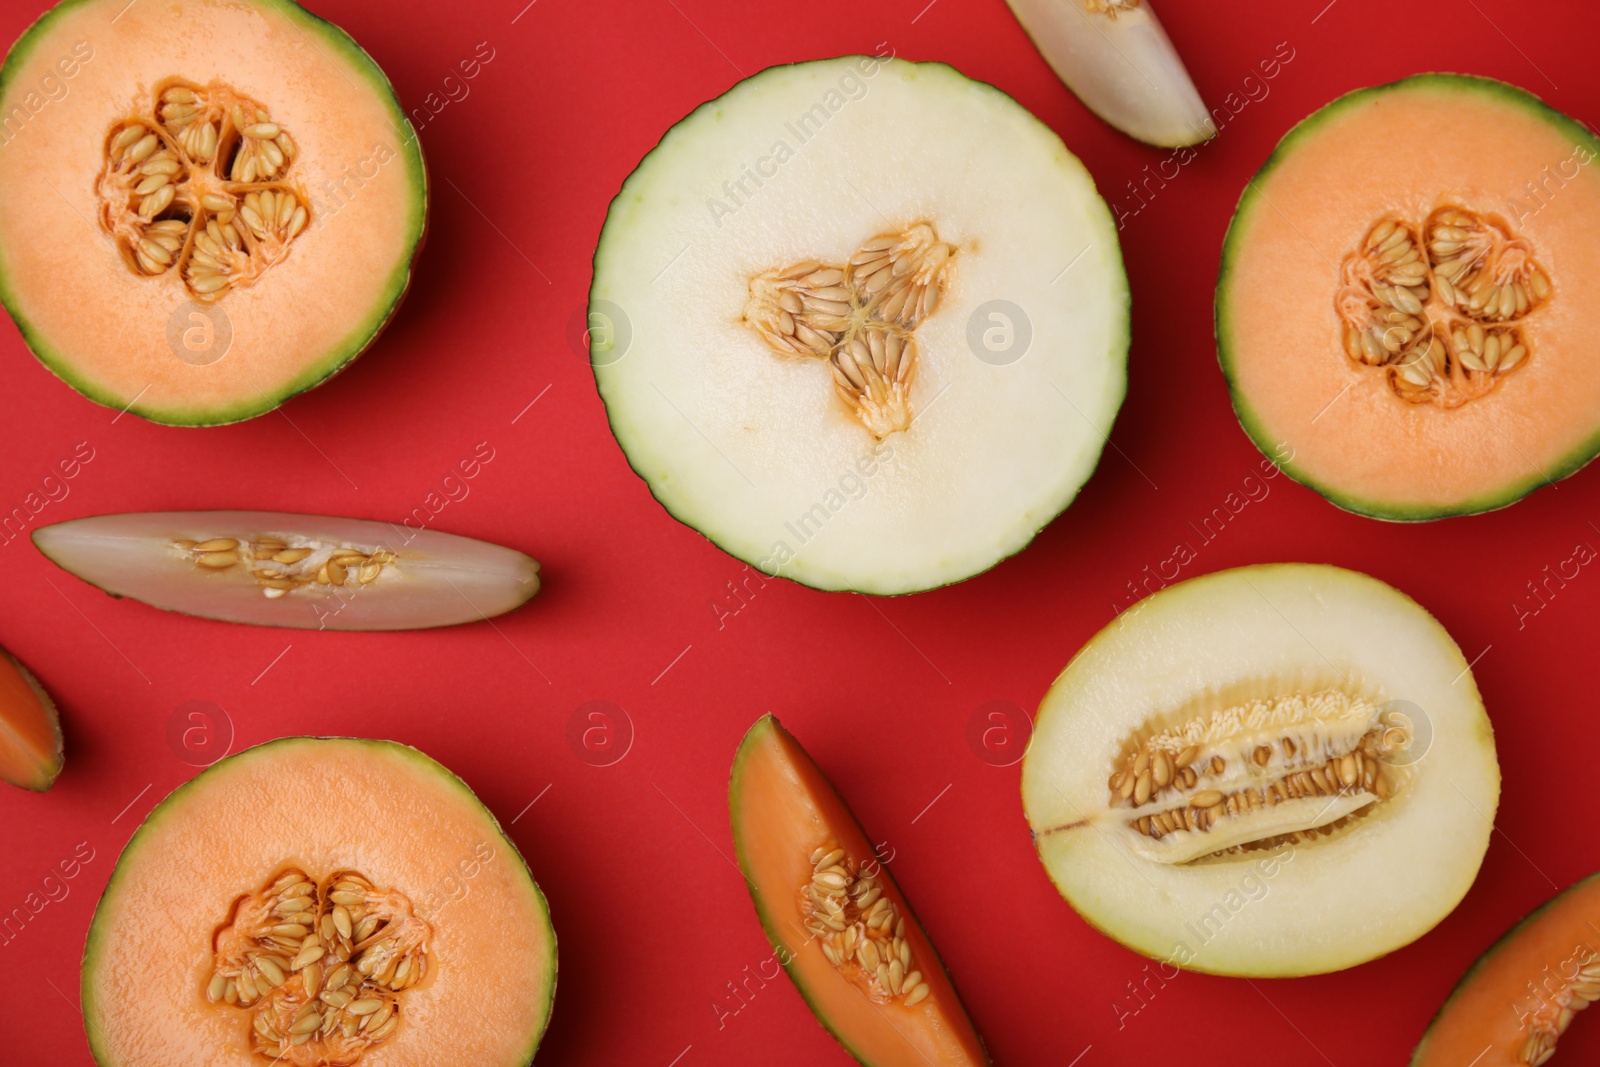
<point>1271,771</point>
<point>309,572</point>
<point>1512,1007</point>
<point>30,729</point>
<point>319,902</point>
<point>1405,293</point>
<point>1114,55</point>
<point>204,208</point>
<point>837,921</point>
<point>861,322</point>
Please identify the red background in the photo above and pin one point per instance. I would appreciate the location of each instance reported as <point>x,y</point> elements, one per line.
<point>653,919</point>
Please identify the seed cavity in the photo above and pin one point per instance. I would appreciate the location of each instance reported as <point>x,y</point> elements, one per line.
<point>319,994</point>
<point>195,182</point>
<point>1555,1013</point>
<point>1440,307</point>
<point>860,316</point>
<point>860,930</point>
<point>284,563</point>
<point>1254,775</point>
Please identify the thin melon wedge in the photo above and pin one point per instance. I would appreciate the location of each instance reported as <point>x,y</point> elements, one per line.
<point>354,881</point>
<point>870,975</point>
<point>301,571</point>
<point>1115,56</point>
<point>30,729</point>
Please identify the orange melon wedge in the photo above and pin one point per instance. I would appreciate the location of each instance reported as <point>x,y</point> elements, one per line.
<point>870,975</point>
<point>30,729</point>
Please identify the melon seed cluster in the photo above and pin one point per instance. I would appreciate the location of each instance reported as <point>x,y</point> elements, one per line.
<point>280,567</point>
<point>196,184</point>
<point>320,966</point>
<point>1552,1020</point>
<point>1440,307</point>
<point>860,316</point>
<point>1246,758</point>
<point>860,930</point>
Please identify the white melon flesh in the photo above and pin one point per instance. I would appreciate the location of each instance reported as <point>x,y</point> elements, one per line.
<point>754,449</point>
<point>1264,637</point>
<point>1119,61</point>
<point>433,579</point>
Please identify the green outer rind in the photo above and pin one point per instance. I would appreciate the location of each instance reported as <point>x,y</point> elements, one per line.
<point>344,352</point>
<point>1236,236</point>
<point>1120,351</point>
<point>171,807</point>
<point>771,927</point>
<point>1484,724</point>
<point>1488,954</point>
<point>51,714</point>
<point>538,578</point>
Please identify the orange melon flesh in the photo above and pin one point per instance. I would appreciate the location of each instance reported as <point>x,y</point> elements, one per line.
<point>783,808</point>
<point>30,730</point>
<point>1336,425</point>
<point>104,328</point>
<point>320,804</point>
<point>1485,1021</point>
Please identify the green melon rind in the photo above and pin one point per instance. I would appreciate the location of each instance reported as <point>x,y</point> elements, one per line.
<point>711,108</point>
<point>769,925</point>
<point>172,807</point>
<point>53,771</point>
<point>1417,1056</point>
<point>1308,127</point>
<point>359,338</point>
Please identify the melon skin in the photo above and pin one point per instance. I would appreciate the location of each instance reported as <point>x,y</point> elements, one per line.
<point>1273,445</point>
<point>359,337</point>
<point>662,482</point>
<point>103,977</point>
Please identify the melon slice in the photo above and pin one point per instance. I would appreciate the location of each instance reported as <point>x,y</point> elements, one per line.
<point>1512,1007</point>
<point>355,883</point>
<point>861,322</point>
<point>1119,61</point>
<point>1276,770</point>
<point>30,729</point>
<point>309,572</point>
<point>837,922</point>
<point>1404,295</point>
<point>204,210</point>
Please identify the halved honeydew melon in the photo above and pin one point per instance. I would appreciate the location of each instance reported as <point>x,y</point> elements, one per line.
<point>303,571</point>
<point>1119,61</point>
<point>204,210</point>
<point>30,729</point>
<point>1406,296</point>
<point>319,902</point>
<point>1513,1006</point>
<point>1276,770</point>
<point>861,322</point>
<point>837,921</point>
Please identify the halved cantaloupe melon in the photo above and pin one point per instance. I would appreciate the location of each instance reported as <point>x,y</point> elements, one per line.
<point>319,902</point>
<point>837,921</point>
<point>309,572</point>
<point>205,207</point>
<point>861,322</point>
<point>1513,1005</point>
<point>1277,770</point>
<point>1115,56</point>
<point>1405,298</point>
<point>30,729</point>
